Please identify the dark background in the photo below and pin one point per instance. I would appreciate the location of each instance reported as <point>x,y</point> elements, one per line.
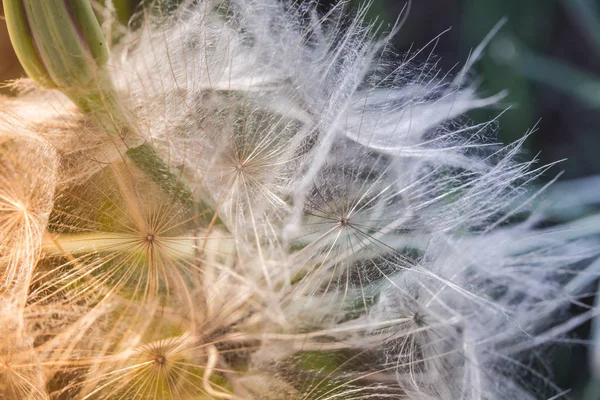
<point>547,55</point>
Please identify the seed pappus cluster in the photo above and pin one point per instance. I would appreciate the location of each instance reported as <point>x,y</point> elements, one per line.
<point>249,199</point>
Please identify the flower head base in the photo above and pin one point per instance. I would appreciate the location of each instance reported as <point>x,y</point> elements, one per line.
<point>257,207</point>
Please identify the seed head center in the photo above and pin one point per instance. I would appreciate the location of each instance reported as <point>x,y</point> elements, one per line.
<point>161,361</point>
<point>417,319</point>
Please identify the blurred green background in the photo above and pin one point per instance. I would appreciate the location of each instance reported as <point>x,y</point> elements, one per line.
<point>547,55</point>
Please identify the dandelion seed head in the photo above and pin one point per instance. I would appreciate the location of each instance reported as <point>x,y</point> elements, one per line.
<point>259,202</point>
<point>20,374</point>
<point>26,191</point>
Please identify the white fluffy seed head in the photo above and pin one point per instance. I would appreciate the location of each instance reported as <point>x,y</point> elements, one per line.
<point>280,211</point>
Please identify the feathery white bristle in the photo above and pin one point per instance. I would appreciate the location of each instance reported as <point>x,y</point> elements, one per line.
<point>283,213</point>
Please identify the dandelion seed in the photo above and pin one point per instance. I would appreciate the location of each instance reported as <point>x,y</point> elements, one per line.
<point>20,374</point>
<point>26,191</point>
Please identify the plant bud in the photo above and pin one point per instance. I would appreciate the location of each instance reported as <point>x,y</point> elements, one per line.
<point>59,42</point>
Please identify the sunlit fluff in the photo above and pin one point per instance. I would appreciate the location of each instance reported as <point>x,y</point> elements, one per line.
<point>278,210</point>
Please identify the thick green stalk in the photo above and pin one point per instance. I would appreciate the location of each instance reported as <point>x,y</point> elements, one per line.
<point>59,42</point>
<point>61,45</point>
